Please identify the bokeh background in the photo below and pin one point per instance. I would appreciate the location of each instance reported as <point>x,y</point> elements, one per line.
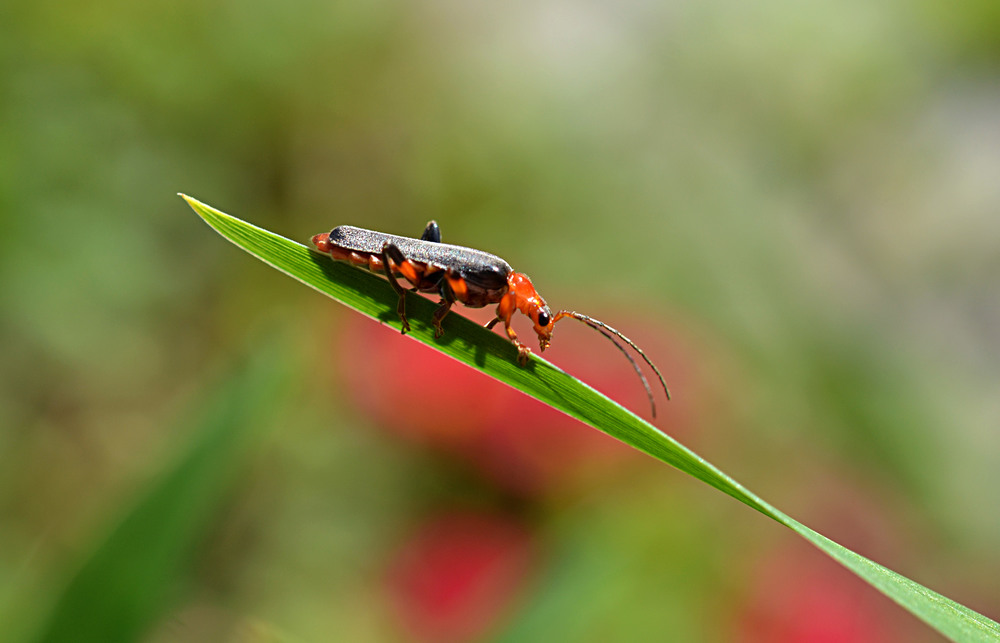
<point>794,208</point>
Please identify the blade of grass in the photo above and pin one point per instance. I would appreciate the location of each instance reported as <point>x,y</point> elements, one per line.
<point>131,577</point>
<point>495,356</point>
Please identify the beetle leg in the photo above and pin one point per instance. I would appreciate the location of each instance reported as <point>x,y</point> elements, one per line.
<point>504,313</point>
<point>391,252</point>
<point>447,299</point>
<point>522,350</point>
<point>431,233</point>
<point>439,316</point>
<point>505,310</point>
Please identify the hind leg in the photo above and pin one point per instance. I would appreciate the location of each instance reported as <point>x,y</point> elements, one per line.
<point>391,252</point>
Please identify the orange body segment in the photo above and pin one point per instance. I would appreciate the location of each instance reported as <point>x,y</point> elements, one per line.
<point>459,287</point>
<point>409,270</point>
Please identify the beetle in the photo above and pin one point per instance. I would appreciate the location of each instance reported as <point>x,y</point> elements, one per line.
<point>470,277</point>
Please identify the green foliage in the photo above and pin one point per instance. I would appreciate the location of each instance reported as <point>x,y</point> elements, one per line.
<point>132,576</point>
<point>493,355</point>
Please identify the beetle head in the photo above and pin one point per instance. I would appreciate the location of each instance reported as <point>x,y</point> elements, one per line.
<point>542,318</point>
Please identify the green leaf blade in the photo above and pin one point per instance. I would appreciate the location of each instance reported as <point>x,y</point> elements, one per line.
<point>129,579</point>
<point>488,352</point>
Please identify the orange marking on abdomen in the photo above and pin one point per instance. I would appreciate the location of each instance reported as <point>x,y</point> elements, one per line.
<point>322,242</point>
<point>459,287</point>
<point>409,270</point>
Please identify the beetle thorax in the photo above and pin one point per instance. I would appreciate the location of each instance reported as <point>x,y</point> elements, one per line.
<point>526,298</point>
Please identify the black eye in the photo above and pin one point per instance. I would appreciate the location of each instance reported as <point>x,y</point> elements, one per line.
<point>543,318</point>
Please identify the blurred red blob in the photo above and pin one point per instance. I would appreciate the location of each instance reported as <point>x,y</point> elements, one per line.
<point>458,576</point>
<point>516,441</point>
<point>801,596</point>
<point>409,389</point>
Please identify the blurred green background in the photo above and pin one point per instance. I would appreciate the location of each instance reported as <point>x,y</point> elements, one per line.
<point>795,209</point>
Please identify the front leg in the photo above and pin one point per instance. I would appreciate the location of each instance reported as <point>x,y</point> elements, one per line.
<point>389,251</point>
<point>522,350</point>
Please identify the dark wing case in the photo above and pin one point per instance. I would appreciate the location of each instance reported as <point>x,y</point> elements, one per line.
<point>475,266</point>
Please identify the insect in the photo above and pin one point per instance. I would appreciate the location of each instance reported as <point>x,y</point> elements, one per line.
<point>470,277</point>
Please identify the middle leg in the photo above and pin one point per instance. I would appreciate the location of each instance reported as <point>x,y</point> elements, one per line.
<point>447,299</point>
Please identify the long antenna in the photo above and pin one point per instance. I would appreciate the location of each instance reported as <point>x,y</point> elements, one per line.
<point>601,327</point>
<point>638,371</point>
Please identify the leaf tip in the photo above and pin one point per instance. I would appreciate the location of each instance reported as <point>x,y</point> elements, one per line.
<point>202,210</point>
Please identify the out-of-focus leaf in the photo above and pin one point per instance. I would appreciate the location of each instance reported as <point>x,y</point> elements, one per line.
<point>132,576</point>
<point>493,355</point>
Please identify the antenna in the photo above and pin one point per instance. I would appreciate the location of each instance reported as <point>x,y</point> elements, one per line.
<point>607,331</point>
